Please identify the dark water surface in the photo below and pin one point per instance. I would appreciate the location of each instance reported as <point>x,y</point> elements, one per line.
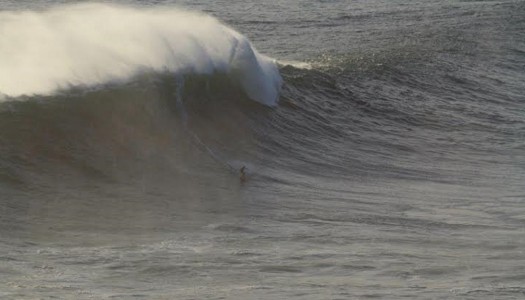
<point>393,166</point>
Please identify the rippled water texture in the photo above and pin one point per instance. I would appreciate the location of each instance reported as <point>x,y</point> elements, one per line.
<point>392,166</point>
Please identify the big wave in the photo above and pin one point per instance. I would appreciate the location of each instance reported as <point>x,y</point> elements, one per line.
<point>86,45</point>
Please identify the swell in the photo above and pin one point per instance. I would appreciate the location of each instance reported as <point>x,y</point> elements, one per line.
<point>400,113</point>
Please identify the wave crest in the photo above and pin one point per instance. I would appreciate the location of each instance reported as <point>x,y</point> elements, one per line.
<point>93,44</point>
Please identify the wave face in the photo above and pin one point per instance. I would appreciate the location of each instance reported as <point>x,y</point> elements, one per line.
<point>93,44</point>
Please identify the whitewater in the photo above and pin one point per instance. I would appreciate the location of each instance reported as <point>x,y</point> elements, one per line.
<point>45,52</point>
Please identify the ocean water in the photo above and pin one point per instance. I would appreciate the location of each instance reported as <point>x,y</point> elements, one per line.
<point>383,141</point>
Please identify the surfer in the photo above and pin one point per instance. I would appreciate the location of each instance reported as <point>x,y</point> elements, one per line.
<point>243,174</point>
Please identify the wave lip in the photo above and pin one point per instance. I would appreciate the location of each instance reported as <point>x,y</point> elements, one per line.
<point>93,44</point>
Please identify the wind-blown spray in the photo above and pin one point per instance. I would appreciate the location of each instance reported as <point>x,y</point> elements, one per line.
<point>91,44</point>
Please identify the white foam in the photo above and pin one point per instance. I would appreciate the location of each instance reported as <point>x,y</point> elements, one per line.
<point>296,64</point>
<point>92,44</point>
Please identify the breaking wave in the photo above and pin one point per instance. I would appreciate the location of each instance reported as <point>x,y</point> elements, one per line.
<point>164,94</point>
<point>87,45</point>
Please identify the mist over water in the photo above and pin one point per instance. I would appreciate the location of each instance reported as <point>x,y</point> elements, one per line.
<point>384,146</point>
<point>63,47</point>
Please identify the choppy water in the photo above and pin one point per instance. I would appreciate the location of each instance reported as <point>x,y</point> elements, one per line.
<point>392,165</point>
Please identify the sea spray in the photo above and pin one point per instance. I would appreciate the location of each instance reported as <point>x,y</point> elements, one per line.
<point>85,45</point>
